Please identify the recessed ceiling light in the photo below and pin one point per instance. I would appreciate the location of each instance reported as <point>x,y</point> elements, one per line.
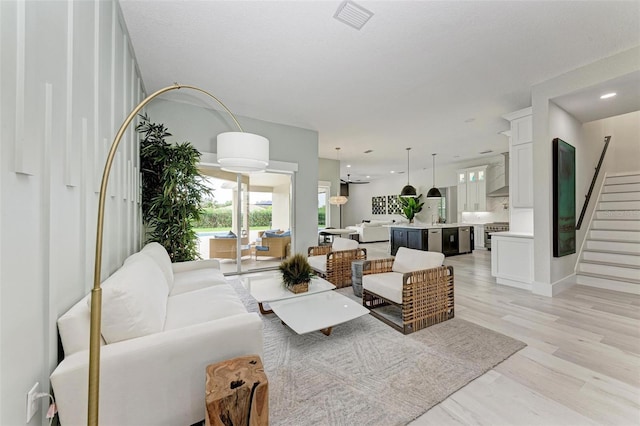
<point>368,176</point>
<point>348,165</point>
<point>391,171</point>
<point>352,14</point>
<point>608,95</point>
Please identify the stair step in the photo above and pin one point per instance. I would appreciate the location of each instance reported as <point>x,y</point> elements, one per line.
<point>618,214</point>
<point>621,187</point>
<point>615,235</point>
<point>616,272</point>
<point>612,258</point>
<point>619,205</point>
<point>613,246</point>
<point>623,178</point>
<point>620,196</point>
<point>600,281</point>
<point>620,225</point>
<point>618,263</point>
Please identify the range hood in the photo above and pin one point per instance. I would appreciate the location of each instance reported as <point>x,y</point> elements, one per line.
<point>498,178</point>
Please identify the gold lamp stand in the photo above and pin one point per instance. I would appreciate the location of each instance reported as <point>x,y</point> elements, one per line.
<point>96,292</point>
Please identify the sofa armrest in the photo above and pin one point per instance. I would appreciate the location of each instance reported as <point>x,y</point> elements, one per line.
<point>377,266</point>
<point>195,264</point>
<point>318,250</point>
<point>155,379</point>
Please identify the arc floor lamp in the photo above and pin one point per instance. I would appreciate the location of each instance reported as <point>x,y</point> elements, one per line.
<point>238,152</point>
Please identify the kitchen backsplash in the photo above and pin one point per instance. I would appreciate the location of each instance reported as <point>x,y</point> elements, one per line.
<point>497,211</point>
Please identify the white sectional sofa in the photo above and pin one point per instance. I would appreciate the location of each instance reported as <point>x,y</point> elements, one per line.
<point>162,324</point>
<point>372,231</point>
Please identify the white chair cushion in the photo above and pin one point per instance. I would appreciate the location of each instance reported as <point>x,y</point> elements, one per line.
<point>199,306</point>
<point>196,279</point>
<point>386,284</point>
<point>344,244</point>
<point>318,263</point>
<point>410,260</point>
<point>134,301</point>
<point>159,255</point>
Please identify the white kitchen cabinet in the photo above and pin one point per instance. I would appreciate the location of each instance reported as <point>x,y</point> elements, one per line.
<point>521,175</point>
<point>521,158</point>
<point>472,189</point>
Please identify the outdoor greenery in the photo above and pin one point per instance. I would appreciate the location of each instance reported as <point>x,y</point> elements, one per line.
<point>172,190</point>
<point>221,217</point>
<point>295,270</point>
<point>410,206</point>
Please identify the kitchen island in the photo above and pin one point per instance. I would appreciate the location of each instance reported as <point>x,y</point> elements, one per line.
<point>449,239</point>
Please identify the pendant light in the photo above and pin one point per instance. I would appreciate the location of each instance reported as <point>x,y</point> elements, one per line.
<point>434,192</point>
<point>408,191</point>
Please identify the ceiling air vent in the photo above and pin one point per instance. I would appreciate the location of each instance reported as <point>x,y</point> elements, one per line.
<point>486,152</point>
<point>353,15</point>
<point>369,151</point>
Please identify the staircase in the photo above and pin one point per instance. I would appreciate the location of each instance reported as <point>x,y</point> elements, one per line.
<point>611,254</point>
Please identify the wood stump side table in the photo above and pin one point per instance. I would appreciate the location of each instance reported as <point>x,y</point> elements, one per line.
<point>237,393</point>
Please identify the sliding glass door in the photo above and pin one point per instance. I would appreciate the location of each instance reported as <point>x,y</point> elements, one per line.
<point>255,207</point>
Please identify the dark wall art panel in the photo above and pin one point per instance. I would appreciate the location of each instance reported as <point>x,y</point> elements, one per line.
<point>564,198</point>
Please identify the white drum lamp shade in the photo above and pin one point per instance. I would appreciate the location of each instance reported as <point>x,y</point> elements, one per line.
<point>242,152</point>
<point>338,200</point>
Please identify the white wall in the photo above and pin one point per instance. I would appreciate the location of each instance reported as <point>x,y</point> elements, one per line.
<point>541,95</point>
<point>200,126</point>
<point>566,127</point>
<point>623,154</point>
<point>68,76</point>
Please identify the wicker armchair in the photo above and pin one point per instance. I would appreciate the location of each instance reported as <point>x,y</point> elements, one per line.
<point>226,248</point>
<point>273,246</point>
<point>425,297</point>
<point>333,262</point>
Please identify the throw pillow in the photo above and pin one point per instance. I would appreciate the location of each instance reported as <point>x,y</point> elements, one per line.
<point>134,301</point>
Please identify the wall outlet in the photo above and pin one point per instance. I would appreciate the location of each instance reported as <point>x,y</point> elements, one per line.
<point>32,401</point>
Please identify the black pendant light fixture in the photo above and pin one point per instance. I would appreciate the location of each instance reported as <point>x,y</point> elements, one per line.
<point>434,192</point>
<point>408,191</point>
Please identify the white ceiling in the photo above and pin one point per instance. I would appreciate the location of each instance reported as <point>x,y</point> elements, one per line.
<point>434,76</point>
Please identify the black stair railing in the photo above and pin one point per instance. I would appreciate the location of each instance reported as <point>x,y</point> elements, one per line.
<point>593,182</point>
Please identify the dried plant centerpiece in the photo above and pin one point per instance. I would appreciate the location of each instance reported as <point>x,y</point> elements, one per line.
<point>296,273</point>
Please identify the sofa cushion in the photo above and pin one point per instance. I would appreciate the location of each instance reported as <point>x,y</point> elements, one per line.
<point>202,305</point>
<point>227,234</point>
<point>318,263</point>
<point>410,260</point>
<point>196,279</point>
<point>160,256</point>
<point>134,301</point>
<point>344,244</point>
<point>386,284</point>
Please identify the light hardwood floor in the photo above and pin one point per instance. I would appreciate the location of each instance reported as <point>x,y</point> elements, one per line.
<point>581,365</point>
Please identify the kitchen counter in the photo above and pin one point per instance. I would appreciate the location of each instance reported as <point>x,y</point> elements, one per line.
<point>426,226</point>
<point>512,234</point>
<point>447,238</point>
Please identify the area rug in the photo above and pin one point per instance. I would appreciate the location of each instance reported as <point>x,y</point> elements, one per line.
<point>366,373</point>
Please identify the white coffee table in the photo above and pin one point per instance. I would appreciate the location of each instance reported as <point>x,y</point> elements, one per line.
<point>320,311</point>
<point>267,288</point>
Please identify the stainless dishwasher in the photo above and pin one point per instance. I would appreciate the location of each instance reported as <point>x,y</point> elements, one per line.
<point>464,239</point>
<point>434,242</point>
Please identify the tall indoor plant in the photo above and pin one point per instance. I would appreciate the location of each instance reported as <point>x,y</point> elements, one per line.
<point>410,206</point>
<point>172,190</point>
